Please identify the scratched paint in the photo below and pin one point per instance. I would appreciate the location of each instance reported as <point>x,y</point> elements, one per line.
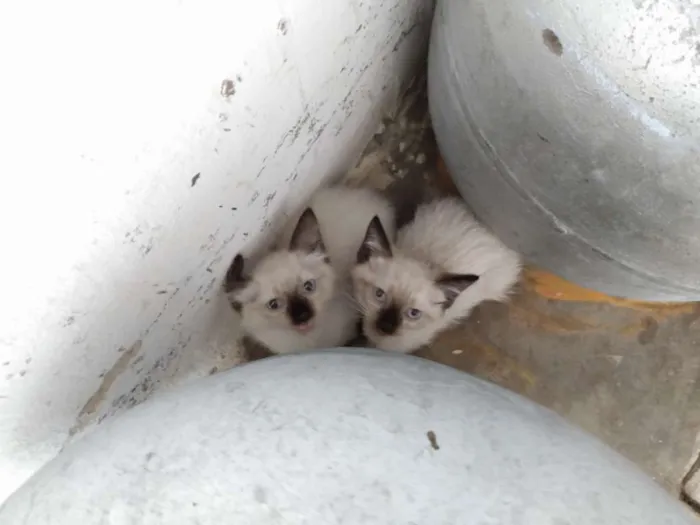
<point>148,171</point>
<point>93,404</point>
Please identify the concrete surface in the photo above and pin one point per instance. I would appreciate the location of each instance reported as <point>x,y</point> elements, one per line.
<point>344,436</point>
<point>626,371</point>
<point>144,144</point>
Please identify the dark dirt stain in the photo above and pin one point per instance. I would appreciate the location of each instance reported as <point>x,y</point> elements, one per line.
<point>690,320</point>
<point>269,199</point>
<point>543,138</point>
<point>283,26</point>
<point>650,328</point>
<point>228,88</point>
<point>404,34</point>
<point>551,40</point>
<point>433,440</point>
<point>195,178</point>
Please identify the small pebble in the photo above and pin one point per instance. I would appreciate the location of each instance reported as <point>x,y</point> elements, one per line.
<point>457,351</point>
<point>420,159</point>
<point>402,147</point>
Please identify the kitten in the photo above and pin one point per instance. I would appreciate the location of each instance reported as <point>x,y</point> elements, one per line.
<point>298,296</point>
<point>443,264</point>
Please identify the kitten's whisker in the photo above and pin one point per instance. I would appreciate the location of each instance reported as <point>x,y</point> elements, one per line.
<point>355,303</point>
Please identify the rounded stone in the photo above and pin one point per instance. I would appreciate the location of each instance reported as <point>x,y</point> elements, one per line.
<point>347,436</point>
<point>572,129</point>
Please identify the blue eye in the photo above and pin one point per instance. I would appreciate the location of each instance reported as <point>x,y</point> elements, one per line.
<point>413,313</point>
<point>273,304</point>
<point>379,293</point>
<point>309,286</point>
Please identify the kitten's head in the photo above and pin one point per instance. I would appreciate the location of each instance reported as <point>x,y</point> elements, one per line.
<point>288,287</point>
<point>402,303</point>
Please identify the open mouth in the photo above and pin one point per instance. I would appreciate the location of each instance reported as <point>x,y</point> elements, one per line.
<point>304,327</point>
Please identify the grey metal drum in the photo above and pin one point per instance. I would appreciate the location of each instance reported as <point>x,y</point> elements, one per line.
<point>572,129</point>
<point>336,437</point>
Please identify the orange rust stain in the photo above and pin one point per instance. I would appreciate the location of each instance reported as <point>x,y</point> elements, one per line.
<point>500,368</point>
<point>561,324</point>
<point>551,286</point>
<point>443,179</point>
<point>632,329</point>
<point>480,358</point>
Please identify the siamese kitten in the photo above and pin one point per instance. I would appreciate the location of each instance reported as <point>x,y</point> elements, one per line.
<point>443,264</point>
<point>298,297</point>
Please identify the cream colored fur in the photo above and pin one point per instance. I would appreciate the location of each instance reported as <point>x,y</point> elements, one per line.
<point>444,238</point>
<point>343,214</point>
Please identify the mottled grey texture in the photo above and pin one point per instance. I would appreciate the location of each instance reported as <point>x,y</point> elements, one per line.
<point>572,129</point>
<point>348,436</point>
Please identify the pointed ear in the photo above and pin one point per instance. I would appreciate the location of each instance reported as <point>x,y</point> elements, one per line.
<point>235,280</point>
<point>453,284</point>
<point>307,234</point>
<point>375,244</point>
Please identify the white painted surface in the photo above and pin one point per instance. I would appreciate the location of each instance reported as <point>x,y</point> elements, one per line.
<point>341,437</point>
<point>131,180</point>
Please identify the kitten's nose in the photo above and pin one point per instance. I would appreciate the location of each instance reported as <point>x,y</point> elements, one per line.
<point>388,320</point>
<point>299,310</point>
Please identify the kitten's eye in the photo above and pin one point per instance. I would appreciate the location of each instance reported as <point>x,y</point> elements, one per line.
<point>273,304</point>
<point>310,285</point>
<point>413,313</point>
<point>379,293</point>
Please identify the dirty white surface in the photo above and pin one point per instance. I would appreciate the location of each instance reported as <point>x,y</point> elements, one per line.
<point>347,436</point>
<point>144,144</point>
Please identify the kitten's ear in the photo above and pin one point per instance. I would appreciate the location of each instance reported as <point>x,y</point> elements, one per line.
<point>453,284</point>
<point>375,244</point>
<point>235,281</point>
<point>307,234</point>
